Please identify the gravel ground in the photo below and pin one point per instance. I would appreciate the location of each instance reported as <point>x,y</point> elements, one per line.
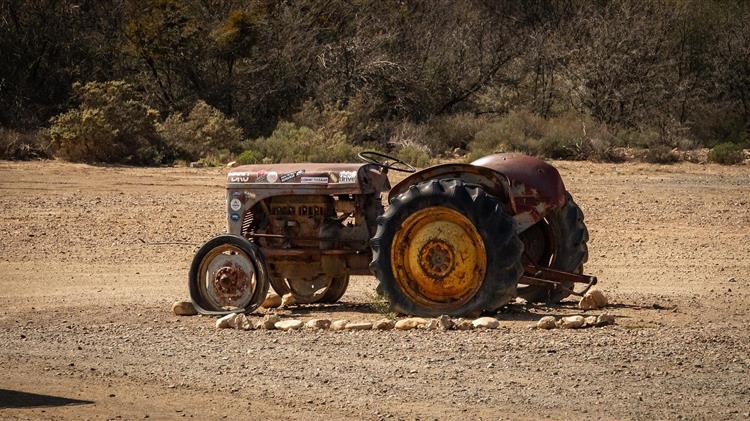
<point>91,259</point>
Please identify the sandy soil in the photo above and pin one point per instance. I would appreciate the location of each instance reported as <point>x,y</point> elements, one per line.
<point>91,259</point>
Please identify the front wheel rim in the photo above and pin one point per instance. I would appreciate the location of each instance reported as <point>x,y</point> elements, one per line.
<point>438,258</point>
<point>227,278</point>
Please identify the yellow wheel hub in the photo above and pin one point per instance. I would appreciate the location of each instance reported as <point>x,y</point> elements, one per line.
<point>438,257</point>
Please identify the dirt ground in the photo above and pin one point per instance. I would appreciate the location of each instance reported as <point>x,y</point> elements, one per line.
<point>91,259</point>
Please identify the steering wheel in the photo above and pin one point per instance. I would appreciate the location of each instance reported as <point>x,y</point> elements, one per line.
<point>386,162</point>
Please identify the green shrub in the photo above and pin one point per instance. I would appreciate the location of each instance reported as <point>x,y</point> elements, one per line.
<point>726,153</point>
<point>23,146</point>
<point>413,155</point>
<point>445,134</point>
<point>204,131</point>
<point>569,136</point>
<point>661,154</point>
<point>111,124</point>
<point>291,143</point>
<point>248,157</point>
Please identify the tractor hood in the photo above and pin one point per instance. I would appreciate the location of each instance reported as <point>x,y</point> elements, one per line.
<point>353,178</point>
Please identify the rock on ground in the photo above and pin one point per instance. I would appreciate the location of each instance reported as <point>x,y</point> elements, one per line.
<point>245,323</point>
<point>593,299</point>
<point>572,322</point>
<point>358,326</point>
<point>269,322</point>
<point>605,319</point>
<point>289,324</point>
<point>590,321</point>
<point>431,324</point>
<point>227,322</point>
<point>384,324</point>
<point>486,323</point>
<point>445,322</point>
<point>410,323</point>
<point>272,300</point>
<point>546,322</point>
<point>288,300</point>
<point>183,308</point>
<point>320,324</point>
<point>464,325</point>
<point>339,324</point>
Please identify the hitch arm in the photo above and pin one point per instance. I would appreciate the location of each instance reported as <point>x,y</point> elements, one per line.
<point>536,275</point>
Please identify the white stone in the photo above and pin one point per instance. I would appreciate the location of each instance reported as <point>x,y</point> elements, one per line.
<point>593,299</point>
<point>572,322</point>
<point>227,322</point>
<point>546,322</point>
<point>339,324</point>
<point>269,322</point>
<point>486,323</point>
<point>320,324</point>
<point>410,323</point>
<point>272,300</point>
<point>184,308</point>
<point>289,324</point>
<point>590,321</point>
<point>288,300</point>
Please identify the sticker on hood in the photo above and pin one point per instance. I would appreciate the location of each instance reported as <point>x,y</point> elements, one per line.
<point>314,180</point>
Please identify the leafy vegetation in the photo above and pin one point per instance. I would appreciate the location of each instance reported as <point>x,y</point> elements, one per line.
<point>111,124</point>
<point>426,80</point>
<point>727,154</point>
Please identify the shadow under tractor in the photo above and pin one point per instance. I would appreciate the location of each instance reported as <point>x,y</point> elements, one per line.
<point>454,239</point>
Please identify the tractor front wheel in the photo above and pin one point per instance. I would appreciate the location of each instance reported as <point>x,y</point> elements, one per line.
<point>444,247</point>
<point>228,274</point>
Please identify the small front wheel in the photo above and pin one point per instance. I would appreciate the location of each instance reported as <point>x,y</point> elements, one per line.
<point>228,274</point>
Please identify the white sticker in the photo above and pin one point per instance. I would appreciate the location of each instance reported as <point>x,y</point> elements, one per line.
<point>272,177</point>
<point>235,204</point>
<point>348,177</point>
<point>239,177</point>
<point>314,180</point>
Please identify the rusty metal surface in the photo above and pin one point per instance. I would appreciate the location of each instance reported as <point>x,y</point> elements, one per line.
<point>536,186</point>
<point>249,185</point>
<point>438,257</point>
<point>308,178</point>
<point>493,182</point>
<point>557,279</point>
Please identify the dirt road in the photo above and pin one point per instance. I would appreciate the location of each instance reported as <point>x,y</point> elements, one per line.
<point>92,258</point>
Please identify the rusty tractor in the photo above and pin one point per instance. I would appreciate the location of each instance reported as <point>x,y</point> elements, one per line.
<point>455,239</point>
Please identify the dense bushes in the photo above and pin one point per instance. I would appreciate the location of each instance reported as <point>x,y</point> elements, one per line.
<point>292,143</point>
<point>574,79</point>
<point>726,153</point>
<point>568,136</point>
<point>205,131</point>
<point>111,124</point>
<point>22,146</point>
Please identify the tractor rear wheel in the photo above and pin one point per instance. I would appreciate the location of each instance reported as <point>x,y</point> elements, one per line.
<point>444,247</point>
<point>557,242</point>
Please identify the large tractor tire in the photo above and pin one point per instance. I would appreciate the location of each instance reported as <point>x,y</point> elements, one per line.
<point>558,242</point>
<point>444,247</point>
<point>329,290</point>
<point>228,275</point>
